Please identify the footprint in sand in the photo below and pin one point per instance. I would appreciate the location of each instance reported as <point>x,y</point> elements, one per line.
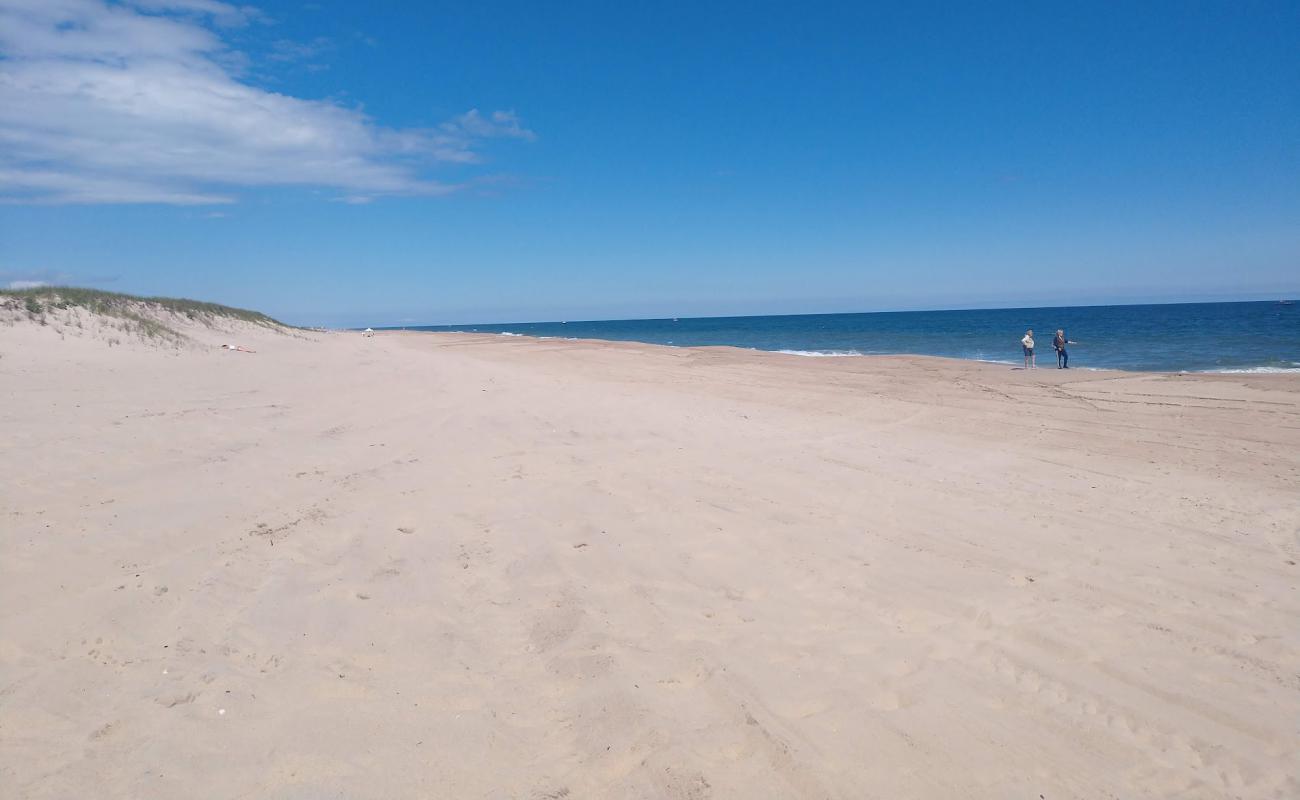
<point>390,570</point>
<point>553,627</point>
<point>173,699</point>
<point>101,732</point>
<point>684,784</point>
<point>889,701</point>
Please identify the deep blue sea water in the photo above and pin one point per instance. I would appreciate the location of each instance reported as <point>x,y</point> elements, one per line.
<point>1193,337</point>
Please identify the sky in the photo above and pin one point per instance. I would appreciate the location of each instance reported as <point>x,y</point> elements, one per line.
<point>345,163</point>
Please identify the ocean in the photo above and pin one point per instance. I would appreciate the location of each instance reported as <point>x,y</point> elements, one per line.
<point>1185,337</point>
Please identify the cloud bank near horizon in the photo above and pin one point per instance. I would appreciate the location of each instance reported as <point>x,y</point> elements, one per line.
<point>143,101</point>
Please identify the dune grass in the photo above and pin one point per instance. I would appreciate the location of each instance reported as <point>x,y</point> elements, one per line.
<point>145,314</point>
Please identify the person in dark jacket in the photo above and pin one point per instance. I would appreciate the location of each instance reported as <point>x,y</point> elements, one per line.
<point>1062,355</point>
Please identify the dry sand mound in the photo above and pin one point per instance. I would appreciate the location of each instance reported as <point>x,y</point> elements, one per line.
<point>105,319</point>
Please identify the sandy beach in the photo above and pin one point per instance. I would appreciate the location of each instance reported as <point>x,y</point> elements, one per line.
<point>458,566</point>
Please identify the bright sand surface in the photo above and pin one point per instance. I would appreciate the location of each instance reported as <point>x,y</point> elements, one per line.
<point>448,566</point>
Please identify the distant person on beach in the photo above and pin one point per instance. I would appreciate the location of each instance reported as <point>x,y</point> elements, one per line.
<point>1028,344</point>
<point>1062,355</point>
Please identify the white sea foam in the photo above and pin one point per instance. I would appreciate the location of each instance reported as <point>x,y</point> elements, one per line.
<point>508,333</point>
<point>1252,371</point>
<point>822,353</point>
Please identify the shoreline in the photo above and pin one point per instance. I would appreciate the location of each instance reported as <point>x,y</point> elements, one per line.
<point>1012,366</point>
<point>1214,337</point>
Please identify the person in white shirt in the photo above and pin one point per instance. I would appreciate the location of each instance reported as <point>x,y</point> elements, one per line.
<point>1028,344</point>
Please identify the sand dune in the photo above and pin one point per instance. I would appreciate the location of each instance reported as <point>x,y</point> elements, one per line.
<point>485,567</point>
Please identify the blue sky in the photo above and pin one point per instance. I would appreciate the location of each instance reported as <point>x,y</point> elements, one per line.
<point>358,163</point>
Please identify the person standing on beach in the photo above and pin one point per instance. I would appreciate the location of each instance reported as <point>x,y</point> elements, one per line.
<point>1028,344</point>
<point>1062,355</point>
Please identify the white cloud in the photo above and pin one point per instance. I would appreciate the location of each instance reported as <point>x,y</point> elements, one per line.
<point>137,102</point>
<point>224,14</point>
<point>35,278</point>
<point>288,50</point>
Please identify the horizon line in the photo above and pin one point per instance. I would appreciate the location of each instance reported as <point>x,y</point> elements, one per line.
<point>1279,300</point>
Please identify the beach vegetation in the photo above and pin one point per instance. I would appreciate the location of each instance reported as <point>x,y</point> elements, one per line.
<point>146,317</point>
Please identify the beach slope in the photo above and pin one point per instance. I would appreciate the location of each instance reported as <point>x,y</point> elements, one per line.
<point>425,565</point>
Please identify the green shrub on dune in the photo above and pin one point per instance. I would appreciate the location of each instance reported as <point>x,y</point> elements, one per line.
<point>146,315</point>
